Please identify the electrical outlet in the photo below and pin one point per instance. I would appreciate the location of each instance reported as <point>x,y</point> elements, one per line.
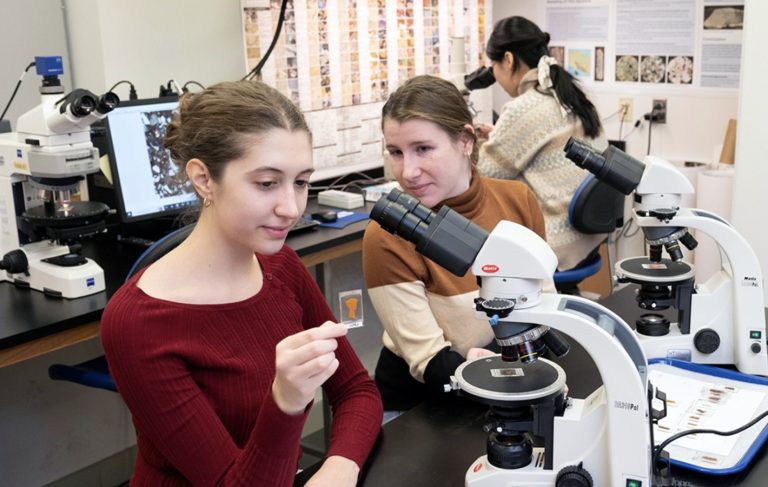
<point>625,109</point>
<point>659,110</point>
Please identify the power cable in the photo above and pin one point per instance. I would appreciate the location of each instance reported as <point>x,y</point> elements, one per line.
<point>660,448</point>
<point>132,90</point>
<point>16,89</point>
<point>256,71</point>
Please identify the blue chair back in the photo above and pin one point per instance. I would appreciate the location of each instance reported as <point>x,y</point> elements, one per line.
<point>595,208</point>
<point>95,372</point>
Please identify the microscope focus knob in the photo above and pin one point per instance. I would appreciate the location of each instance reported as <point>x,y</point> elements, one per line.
<point>573,476</point>
<point>14,262</point>
<point>706,340</point>
<point>755,347</point>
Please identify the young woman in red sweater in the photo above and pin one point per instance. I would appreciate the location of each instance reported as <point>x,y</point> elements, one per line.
<point>219,347</point>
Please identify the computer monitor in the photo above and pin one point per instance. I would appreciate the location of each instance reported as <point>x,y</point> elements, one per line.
<point>147,183</point>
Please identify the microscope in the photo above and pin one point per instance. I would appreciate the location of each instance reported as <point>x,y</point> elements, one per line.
<point>478,79</point>
<point>41,166</point>
<point>720,321</point>
<point>602,440</point>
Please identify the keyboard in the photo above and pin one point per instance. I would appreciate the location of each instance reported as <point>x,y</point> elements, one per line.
<point>302,225</point>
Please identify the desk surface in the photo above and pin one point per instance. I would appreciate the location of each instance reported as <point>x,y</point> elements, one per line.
<point>434,444</point>
<point>32,324</point>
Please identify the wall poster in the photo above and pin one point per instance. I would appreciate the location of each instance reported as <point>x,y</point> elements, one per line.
<point>340,59</point>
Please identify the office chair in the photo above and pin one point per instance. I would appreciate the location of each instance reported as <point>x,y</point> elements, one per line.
<point>595,208</point>
<point>94,372</point>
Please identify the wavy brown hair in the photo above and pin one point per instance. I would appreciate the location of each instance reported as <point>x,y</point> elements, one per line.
<point>434,99</point>
<point>214,125</point>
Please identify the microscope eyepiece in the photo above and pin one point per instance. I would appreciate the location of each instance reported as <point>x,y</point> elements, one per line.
<point>614,167</point>
<point>445,237</point>
<point>479,79</point>
<point>79,103</point>
<point>584,156</point>
<point>83,106</point>
<point>107,102</point>
<point>402,215</point>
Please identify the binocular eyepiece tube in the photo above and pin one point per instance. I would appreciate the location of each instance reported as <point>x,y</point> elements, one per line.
<point>614,166</point>
<point>446,237</point>
<point>81,103</point>
<point>479,79</point>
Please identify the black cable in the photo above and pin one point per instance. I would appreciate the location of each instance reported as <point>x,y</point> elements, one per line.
<point>257,69</point>
<point>15,90</point>
<point>335,184</point>
<point>625,232</point>
<point>637,124</point>
<point>611,115</point>
<point>658,449</point>
<point>650,129</point>
<point>132,90</point>
<point>191,82</point>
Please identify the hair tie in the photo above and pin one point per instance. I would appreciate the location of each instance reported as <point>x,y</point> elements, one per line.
<point>545,62</point>
<point>545,81</point>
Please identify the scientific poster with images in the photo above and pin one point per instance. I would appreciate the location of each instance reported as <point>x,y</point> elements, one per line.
<point>340,59</point>
<point>655,41</point>
<point>721,43</point>
<point>578,32</point>
<point>686,43</point>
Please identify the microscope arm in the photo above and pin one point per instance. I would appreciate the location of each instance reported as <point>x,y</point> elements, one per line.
<point>622,365</point>
<point>742,259</point>
<point>743,273</point>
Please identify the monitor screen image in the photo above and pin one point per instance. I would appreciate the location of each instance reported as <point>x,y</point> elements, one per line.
<point>147,182</point>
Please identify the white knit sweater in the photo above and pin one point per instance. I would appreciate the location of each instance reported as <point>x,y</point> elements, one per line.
<point>527,144</point>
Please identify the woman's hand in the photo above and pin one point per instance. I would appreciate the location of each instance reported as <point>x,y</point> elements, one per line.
<point>475,353</point>
<point>303,362</point>
<point>336,472</point>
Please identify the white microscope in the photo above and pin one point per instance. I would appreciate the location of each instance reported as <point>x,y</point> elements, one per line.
<point>720,321</point>
<point>602,440</point>
<point>41,166</point>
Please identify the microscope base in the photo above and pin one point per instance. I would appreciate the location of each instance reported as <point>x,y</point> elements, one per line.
<point>741,332</point>
<point>580,438</point>
<point>55,280</point>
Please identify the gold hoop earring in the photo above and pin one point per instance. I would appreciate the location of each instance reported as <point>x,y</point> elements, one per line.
<point>207,202</point>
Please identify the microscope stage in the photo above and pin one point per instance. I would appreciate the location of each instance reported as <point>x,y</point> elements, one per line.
<point>642,270</point>
<point>75,213</point>
<point>497,380</point>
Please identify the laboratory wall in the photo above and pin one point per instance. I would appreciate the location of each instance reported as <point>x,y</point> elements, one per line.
<point>750,198</point>
<point>149,43</point>
<point>40,33</point>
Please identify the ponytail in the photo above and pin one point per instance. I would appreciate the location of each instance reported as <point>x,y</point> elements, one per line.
<point>574,99</point>
<point>528,44</point>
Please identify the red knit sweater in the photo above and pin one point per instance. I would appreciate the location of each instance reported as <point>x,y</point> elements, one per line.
<point>197,379</point>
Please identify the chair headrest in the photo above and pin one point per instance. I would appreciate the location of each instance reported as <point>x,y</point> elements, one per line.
<point>596,207</point>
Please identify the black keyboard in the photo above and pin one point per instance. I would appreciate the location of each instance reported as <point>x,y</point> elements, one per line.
<point>302,225</point>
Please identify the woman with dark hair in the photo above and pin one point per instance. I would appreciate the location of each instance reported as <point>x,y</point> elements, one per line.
<point>527,141</point>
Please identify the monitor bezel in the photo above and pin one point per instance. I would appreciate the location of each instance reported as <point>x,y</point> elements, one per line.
<point>113,166</point>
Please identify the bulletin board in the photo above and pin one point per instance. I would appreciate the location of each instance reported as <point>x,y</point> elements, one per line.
<point>340,59</point>
<point>682,43</point>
